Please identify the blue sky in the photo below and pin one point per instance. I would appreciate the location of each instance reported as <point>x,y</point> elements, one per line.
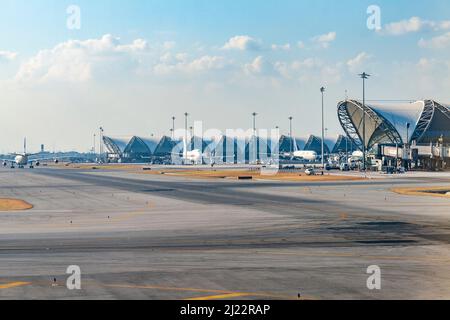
<point>134,64</point>
<point>39,23</point>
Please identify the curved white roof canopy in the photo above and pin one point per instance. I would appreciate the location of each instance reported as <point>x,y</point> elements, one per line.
<point>151,143</point>
<point>384,123</point>
<point>117,144</point>
<point>400,114</point>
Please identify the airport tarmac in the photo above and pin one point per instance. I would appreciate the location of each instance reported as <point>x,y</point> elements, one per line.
<point>138,236</point>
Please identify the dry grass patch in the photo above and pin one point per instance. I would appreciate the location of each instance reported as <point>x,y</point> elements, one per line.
<point>14,205</point>
<point>441,192</point>
<point>256,175</point>
<point>119,167</point>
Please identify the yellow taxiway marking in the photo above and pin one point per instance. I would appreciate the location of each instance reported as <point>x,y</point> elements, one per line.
<point>218,293</point>
<point>220,297</point>
<point>14,285</point>
<point>168,288</point>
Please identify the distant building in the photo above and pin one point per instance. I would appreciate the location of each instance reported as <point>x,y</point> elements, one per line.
<point>422,122</point>
<point>400,134</point>
<point>221,149</point>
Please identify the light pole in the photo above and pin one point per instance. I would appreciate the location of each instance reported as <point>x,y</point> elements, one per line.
<point>364,76</point>
<point>254,114</point>
<point>291,144</point>
<point>186,115</point>
<point>253,145</point>
<point>173,128</point>
<point>346,149</point>
<point>93,148</point>
<point>101,143</point>
<point>322,90</point>
<point>408,125</point>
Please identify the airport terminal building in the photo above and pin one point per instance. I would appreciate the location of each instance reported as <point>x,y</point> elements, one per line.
<point>410,132</point>
<point>420,130</point>
<point>134,149</point>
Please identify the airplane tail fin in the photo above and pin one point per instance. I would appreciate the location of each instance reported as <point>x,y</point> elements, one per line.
<point>25,145</point>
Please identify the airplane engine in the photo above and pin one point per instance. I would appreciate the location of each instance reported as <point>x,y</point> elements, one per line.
<point>56,161</point>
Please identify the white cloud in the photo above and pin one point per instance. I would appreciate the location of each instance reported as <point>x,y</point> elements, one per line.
<point>414,24</point>
<point>324,40</point>
<point>78,61</point>
<point>356,63</point>
<point>309,70</point>
<point>169,45</point>
<point>206,63</point>
<point>137,46</point>
<point>169,64</point>
<point>291,70</point>
<point>426,64</point>
<point>242,43</point>
<point>262,67</point>
<point>8,55</point>
<point>256,66</point>
<point>282,47</point>
<point>307,63</point>
<point>301,45</point>
<point>438,42</point>
<point>182,57</point>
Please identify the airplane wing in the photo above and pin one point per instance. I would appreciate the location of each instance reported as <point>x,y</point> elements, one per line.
<point>5,162</point>
<point>221,157</point>
<point>48,159</point>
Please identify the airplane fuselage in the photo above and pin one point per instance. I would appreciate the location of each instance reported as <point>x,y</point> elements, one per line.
<point>305,155</point>
<point>194,156</point>
<point>21,160</point>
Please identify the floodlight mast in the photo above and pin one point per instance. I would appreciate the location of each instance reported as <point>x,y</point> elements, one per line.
<point>173,128</point>
<point>290,135</point>
<point>185,152</point>
<point>364,76</point>
<point>322,90</point>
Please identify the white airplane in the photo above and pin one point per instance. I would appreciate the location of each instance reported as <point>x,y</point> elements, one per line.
<point>196,157</point>
<point>307,155</point>
<point>23,159</point>
<point>302,155</point>
<point>356,156</point>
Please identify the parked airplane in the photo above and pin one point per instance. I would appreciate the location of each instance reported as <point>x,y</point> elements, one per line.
<point>297,154</point>
<point>196,157</point>
<point>302,155</point>
<point>23,159</point>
